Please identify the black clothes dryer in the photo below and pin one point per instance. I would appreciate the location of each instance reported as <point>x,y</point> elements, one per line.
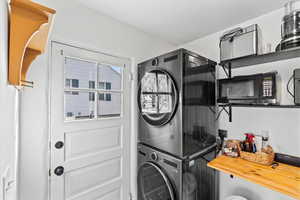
<point>176,99</point>
<point>165,177</point>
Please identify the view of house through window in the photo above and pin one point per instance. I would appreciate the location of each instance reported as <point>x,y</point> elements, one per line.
<point>92,90</point>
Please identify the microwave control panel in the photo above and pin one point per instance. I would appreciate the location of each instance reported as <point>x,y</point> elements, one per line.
<point>267,87</point>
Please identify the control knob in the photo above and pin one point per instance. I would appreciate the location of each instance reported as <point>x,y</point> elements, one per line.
<point>154,156</point>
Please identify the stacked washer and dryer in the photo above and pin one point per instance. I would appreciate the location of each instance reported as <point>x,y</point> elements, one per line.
<point>177,127</point>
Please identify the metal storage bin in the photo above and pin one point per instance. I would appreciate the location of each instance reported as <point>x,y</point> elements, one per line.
<point>241,42</point>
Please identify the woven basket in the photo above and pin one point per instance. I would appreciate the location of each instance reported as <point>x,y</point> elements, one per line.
<point>258,157</point>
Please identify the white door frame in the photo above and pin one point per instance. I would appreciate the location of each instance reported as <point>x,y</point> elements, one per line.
<point>131,131</point>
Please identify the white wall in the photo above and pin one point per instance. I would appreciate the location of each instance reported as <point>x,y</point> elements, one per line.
<point>78,25</point>
<point>283,124</point>
<point>8,102</point>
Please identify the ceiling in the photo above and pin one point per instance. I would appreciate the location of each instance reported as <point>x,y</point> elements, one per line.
<point>180,21</point>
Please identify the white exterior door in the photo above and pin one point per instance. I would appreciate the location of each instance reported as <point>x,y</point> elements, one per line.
<point>90,125</point>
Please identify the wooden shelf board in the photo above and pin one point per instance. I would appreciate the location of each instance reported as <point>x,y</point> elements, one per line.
<point>284,178</point>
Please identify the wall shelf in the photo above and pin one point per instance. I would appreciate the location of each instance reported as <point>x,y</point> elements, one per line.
<point>259,106</point>
<point>283,178</point>
<point>261,59</point>
<point>231,105</point>
<point>228,65</point>
<point>30,24</point>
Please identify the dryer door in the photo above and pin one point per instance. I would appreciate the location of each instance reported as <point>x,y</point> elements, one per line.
<point>153,183</point>
<point>157,97</point>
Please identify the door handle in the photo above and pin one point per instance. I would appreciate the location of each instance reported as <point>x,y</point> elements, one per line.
<point>59,170</point>
<point>59,145</point>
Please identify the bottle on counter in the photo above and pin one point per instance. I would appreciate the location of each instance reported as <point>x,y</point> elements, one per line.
<point>265,139</point>
<point>249,143</point>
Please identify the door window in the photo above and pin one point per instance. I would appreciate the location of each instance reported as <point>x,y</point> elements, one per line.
<point>86,80</point>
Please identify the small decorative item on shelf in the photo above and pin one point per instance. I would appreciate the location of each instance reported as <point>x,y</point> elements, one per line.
<point>265,156</point>
<point>232,148</point>
<point>248,150</point>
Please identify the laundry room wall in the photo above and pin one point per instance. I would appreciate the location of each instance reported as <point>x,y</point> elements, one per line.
<point>8,104</point>
<point>283,124</point>
<point>81,26</point>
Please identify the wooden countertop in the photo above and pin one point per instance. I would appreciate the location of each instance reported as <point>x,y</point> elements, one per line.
<point>284,178</point>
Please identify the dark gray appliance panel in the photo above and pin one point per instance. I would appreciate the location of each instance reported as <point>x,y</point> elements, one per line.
<point>163,174</point>
<point>199,104</point>
<point>186,179</point>
<point>199,181</point>
<point>153,183</point>
<point>166,137</point>
<point>192,126</point>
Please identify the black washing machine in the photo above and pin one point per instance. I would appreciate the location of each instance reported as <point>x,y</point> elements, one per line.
<point>176,99</point>
<point>165,177</point>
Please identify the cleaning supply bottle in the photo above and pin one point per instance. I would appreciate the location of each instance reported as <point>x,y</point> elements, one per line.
<point>247,145</point>
<point>250,144</point>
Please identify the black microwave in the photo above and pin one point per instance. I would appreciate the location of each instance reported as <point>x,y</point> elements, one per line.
<point>251,89</point>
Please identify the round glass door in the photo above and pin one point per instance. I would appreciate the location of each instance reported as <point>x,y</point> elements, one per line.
<point>153,183</point>
<point>157,97</point>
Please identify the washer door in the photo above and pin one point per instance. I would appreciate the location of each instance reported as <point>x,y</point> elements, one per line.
<point>153,184</point>
<point>157,97</point>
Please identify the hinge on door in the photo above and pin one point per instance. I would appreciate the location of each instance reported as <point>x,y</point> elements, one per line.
<point>49,172</point>
<point>130,76</point>
<point>61,52</point>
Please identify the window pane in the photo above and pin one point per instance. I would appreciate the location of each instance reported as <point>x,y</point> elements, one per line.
<point>78,105</point>
<point>75,83</point>
<point>110,77</point>
<point>108,97</point>
<point>91,96</point>
<point>110,106</point>
<point>101,85</point>
<point>92,84</point>
<point>68,83</point>
<point>80,73</point>
<point>108,86</point>
<point>101,97</point>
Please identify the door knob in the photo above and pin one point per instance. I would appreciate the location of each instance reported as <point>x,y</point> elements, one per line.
<point>59,171</point>
<point>59,145</point>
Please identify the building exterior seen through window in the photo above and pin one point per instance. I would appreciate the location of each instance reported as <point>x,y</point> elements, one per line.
<point>84,81</point>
